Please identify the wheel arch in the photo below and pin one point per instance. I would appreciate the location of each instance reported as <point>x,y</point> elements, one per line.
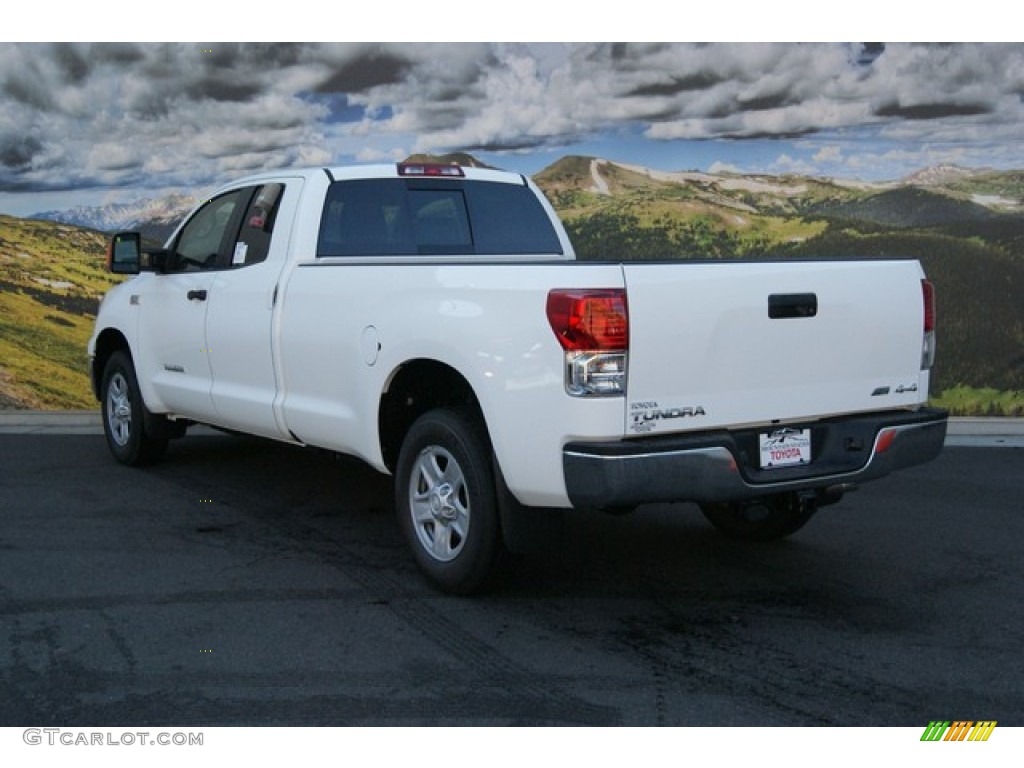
<point>415,387</point>
<point>108,342</point>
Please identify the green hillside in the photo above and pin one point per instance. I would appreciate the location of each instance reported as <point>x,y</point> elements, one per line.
<point>613,212</point>
<point>51,279</point>
<point>909,207</point>
<point>1004,190</point>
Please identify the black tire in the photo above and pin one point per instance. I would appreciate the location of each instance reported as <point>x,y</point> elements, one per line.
<point>766,519</point>
<point>124,415</point>
<point>446,501</point>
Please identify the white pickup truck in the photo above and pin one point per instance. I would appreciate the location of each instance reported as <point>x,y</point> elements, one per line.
<point>432,320</point>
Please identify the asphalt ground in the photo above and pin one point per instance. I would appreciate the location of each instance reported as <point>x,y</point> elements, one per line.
<point>243,582</point>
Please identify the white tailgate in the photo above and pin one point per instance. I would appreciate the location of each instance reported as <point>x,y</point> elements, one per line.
<point>704,352</point>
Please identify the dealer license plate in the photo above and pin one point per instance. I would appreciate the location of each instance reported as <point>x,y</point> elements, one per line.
<point>785,448</point>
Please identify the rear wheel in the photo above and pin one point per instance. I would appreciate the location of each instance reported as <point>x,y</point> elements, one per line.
<point>124,414</point>
<point>446,501</point>
<point>774,517</point>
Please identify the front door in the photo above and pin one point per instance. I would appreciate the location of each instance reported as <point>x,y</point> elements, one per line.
<point>174,354</point>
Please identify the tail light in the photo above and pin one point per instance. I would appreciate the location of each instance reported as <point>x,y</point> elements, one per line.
<point>928,345</point>
<point>592,326</point>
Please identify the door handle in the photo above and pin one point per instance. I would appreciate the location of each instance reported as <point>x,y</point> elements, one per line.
<point>784,305</point>
<point>198,295</point>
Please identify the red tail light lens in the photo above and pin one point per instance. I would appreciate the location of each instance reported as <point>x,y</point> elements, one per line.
<point>592,325</point>
<point>928,340</point>
<point>929,305</point>
<point>589,319</point>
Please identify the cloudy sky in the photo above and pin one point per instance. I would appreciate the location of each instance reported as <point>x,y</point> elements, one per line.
<point>88,123</point>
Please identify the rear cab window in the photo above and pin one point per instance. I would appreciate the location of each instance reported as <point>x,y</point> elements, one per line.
<point>408,217</point>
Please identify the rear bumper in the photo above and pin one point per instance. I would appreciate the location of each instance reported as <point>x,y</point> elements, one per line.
<point>723,465</point>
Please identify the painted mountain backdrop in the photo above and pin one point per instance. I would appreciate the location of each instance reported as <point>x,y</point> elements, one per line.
<point>966,226</point>
<point>156,218</point>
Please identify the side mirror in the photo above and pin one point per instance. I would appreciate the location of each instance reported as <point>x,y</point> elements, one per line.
<point>124,253</point>
<point>126,257</point>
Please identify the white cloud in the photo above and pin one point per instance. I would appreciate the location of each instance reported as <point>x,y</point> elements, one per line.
<point>829,154</point>
<point>81,115</point>
<point>371,155</point>
<point>110,156</point>
<point>785,163</point>
<point>720,167</point>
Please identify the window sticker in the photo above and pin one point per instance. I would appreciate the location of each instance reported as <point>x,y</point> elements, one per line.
<point>239,255</point>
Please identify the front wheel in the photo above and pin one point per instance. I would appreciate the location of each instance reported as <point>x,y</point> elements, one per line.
<point>767,519</point>
<point>447,503</point>
<point>124,415</point>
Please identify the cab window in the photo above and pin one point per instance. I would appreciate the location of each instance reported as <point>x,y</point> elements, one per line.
<point>205,240</point>
<point>253,243</point>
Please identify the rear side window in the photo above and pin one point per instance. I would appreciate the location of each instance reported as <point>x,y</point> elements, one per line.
<point>403,217</point>
<point>253,243</point>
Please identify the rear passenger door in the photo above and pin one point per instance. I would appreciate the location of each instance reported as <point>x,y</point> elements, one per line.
<point>244,295</point>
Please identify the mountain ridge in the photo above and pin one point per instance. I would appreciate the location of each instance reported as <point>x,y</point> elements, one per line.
<point>105,218</point>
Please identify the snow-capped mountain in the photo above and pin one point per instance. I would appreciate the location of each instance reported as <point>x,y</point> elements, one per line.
<point>939,175</point>
<point>155,217</point>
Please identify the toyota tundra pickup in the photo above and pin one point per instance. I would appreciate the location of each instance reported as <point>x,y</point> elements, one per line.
<point>432,320</point>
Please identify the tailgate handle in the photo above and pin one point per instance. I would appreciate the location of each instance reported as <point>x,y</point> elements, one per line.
<point>783,305</point>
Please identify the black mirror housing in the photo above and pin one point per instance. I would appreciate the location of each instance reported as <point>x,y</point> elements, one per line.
<point>126,257</point>
<point>124,253</point>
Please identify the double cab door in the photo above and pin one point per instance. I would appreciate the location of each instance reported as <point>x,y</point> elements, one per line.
<point>206,322</point>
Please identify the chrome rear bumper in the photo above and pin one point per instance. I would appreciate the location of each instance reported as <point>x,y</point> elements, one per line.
<point>722,465</point>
